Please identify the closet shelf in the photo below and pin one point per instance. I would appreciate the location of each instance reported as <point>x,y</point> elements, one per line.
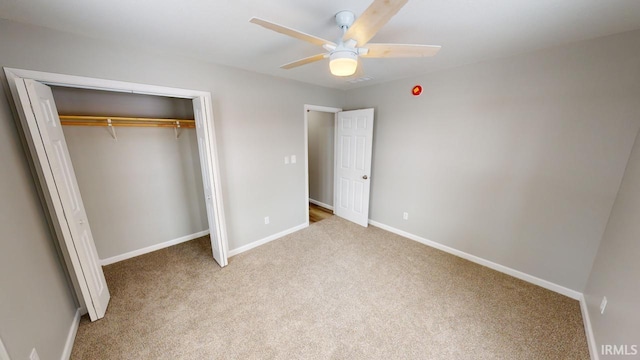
<point>83,120</point>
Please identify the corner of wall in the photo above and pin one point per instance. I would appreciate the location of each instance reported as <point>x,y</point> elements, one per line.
<point>586,319</point>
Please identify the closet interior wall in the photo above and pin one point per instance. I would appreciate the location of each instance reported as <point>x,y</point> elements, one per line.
<point>143,189</point>
<point>321,162</point>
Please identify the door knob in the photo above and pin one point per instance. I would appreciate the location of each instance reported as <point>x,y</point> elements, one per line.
<point>365,177</point>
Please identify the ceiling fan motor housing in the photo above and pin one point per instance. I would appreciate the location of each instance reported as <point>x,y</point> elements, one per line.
<point>344,54</point>
<point>345,18</point>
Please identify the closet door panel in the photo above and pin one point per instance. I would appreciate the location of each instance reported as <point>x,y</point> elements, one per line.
<point>74,231</point>
<point>206,166</point>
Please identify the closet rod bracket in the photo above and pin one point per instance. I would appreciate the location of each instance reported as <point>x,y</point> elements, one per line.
<point>112,130</point>
<point>177,129</point>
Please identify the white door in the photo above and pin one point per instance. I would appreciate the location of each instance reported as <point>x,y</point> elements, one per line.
<point>206,166</point>
<point>53,157</point>
<point>354,137</point>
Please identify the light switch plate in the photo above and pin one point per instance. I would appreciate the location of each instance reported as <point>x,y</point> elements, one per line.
<point>293,159</point>
<point>286,160</point>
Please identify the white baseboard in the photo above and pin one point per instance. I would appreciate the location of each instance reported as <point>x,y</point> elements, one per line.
<point>591,339</point>
<point>478,260</point>
<point>316,202</point>
<point>68,346</point>
<point>257,243</point>
<point>148,249</point>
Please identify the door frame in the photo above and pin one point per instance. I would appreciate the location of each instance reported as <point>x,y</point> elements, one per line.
<point>326,109</point>
<point>73,81</point>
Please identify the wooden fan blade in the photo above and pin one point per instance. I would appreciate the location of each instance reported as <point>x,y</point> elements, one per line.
<point>290,32</point>
<point>400,50</point>
<point>372,19</point>
<point>304,61</point>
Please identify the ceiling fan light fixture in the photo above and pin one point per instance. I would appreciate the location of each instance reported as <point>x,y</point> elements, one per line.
<point>343,63</point>
<point>344,54</point>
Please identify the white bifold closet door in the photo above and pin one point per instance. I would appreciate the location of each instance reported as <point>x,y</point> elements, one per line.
<point>206,167</point>
<point>65,201</point>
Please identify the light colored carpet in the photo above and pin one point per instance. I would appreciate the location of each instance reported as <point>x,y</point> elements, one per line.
<point>332,291</point>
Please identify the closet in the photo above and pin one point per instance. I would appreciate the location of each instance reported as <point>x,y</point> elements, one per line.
<point>136,162</point>
<point>156,174</point>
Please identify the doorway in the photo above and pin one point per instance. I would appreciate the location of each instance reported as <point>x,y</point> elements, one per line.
<point>353,149</point>
<point>319,125</point>
<point>140,179</point>
<point>321,135</point>
<point>40,126</point>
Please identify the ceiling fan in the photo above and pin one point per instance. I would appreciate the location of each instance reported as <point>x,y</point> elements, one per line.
<point>344,54</point>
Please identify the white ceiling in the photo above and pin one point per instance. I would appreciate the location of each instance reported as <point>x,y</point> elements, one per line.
<point>219,31</point>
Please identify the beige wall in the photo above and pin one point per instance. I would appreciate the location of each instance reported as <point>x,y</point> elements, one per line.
<point>616,269</point>
<point>144,189</point>
<point>256,127</point>
<point>517,160</point>
<point>75,101</point>
<point>321,139</point>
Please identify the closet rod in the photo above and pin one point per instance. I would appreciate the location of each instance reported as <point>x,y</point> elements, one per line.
<point>85,120</point>
<point>76,123</point>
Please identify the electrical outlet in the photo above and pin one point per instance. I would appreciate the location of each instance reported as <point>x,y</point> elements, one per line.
<point>34,355</point>
<point>603,305</point>
<point>405,215</point>
<point>286,160</point>
<point>293,159</point>
<point>266,220</point>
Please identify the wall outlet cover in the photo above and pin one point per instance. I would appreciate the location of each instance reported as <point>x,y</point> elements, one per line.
<point>405,216</point>
<point>266,220</point>
<point>293,159</point>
